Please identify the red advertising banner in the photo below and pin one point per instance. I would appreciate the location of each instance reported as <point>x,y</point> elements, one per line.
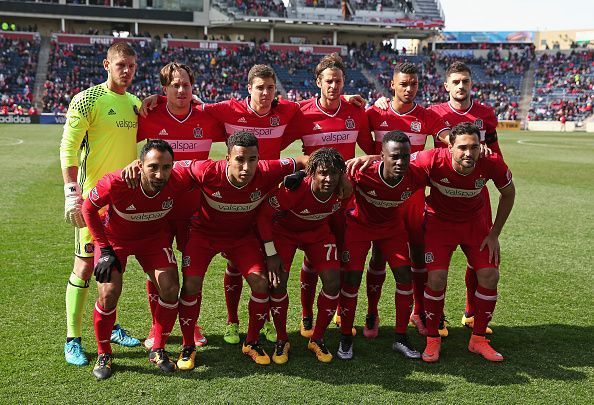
<point>19,35</point>
<point>205,45</point>
<point>315,49</point>
<point>95,39</point>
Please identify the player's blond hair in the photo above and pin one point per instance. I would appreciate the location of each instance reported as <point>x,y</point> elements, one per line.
<point>166,73</point>
<point>331,61</point>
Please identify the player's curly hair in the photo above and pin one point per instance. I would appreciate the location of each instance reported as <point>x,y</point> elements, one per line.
<point>328,158</point>
<point>158,144</point>
<point>395,136</point>
<point>458,67</point>
<point>405,67</point>
<point>465,128</point>
<point>331,61</point>
<point>166,73</point>
<point>244,139</point>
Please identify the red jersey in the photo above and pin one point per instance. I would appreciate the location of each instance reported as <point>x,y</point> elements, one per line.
<point>418,124</point>
<point>453,196</point>
<point>132,214</point>
<point>341,129</point>
<point>480,115</point>
<point>296,211</point>
<point>268,128</point>
<point>376,201</point>
<point>191,136</point>
<point>228,211</point>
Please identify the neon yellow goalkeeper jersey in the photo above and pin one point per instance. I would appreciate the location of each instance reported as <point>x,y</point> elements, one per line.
<point>99,134</point>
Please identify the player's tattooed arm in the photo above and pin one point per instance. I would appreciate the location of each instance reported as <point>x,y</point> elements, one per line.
<point>131,174</point>
<point>360,163</point>
<point>504,208</point>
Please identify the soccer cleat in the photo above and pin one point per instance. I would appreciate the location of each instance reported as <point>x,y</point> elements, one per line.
<point>187,358</point>
<point>281,352</point>
<point>102,369</point>
<point>255,351</point>
<point>199,339</point>
<point>231,335</point>
<point>306,327</point>
<point>150,339</point>
<point>403,346</point>
<point>320,350</point>
<point>468,321</point>
<point>443,327</point>
<point>480,345</point>
<point>431,353</point>
<point>268,331</point>
<point>120,336</point>
<point>161,359</point>
<point>371,328</point>
<point>345,348</point>
<point>336,320</point>
<point>418,322</point>
<point>74,353</point>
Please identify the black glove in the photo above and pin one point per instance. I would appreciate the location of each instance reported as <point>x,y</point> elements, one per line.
<point>293,181</point>
<point>106,262</point>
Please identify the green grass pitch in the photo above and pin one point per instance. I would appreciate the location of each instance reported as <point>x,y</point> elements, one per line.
<point>544,322</point>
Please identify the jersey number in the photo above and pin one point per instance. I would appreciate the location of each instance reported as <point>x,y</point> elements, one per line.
<point>330,247</point>
<point>170,255</point>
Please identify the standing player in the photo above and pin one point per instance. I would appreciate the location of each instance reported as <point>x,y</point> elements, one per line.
<point>462,108</point>
<point>134,224</point>
<point>418,123</point>
<point>99,137</point>
<point>232,190</point>
<point>380,191</point>
<point>299,219</point>
<point>190,131</point>
<point>455,216</point>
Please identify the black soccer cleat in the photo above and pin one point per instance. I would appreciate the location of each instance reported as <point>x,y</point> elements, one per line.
<point>102,369</point>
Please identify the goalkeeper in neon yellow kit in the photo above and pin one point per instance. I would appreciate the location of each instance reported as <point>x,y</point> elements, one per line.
<point>99,137</point>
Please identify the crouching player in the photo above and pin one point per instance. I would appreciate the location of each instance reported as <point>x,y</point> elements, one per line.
<point>380,191</point>
<point>134,224</point>
<point>455,216</point>
<point>299,218</point>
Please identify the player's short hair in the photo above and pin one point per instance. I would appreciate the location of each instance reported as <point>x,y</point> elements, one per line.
<point>458,67</point>
<point>395,136</point>
<point>261,71</point>
<point>166,73</point>
<point>407,68</point>
<point>331,61</point>
<point>158,144</point>
<point>244,139</point>
<point>328,158</point>
<point>120,49</point>
<point>465,128</point>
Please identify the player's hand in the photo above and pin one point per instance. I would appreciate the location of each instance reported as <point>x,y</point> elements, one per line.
<point>345,187</point>
<point>492,243</point>
<point>360,163</point>
<point>356,100</point>
<point>73,205</point>
<point>383,103</point>
<point>148,104</point>
<point>131,174</point>
<point>196,100</point>
<point>274,266</point>
<point>293,181</point>
<point>485,150</point>
<point>105,264</point>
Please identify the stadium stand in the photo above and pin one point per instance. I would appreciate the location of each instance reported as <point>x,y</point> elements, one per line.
<point>18,63</point>
<point>266,8</point>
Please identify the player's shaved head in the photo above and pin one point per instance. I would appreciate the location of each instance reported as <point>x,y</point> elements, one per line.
<point>395,136</point>
<point>261,71</point>
<point>465,128</point>
<point>243,139</point>
<point>458,67</point>
<point>328,158</point>
<point>166,73</point>
<point>407,68</point>
<point>331,61</point>
<point>158,144</point>
<point>120,49</point>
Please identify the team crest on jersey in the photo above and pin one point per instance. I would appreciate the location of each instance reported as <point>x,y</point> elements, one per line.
<point>74,121</point>
<point>480,183</point>
<point>255,196</point>
<point>405,195</point>
<point>274,202</point>
<point>413,156</point>
<point>336,206</point>
<point>89,248</point>
<point>94,195</point>
<point>349,123</point>
<point>184,163</point>
<point>167,204</point>
<point>429,257</point>
<point>274,121</point>
<point>479,123</point>
<point>346,256</point>
<point>285,161</point>
<point>197,132</point>
<point>415,126</point>
<point>185,261</point>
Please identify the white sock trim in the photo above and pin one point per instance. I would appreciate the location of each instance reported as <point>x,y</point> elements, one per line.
<point>168,305</point>
<point>330,297</point>
<point>259,300</point>
<point>431,297</point>
<point>377,273</point>
<point>103,312</point>
<point>188,303</point>
<point>404,292</point>
<point>279,299</point>
<point>485,297</point>
<point>418,270</point>
<point>348,295</point>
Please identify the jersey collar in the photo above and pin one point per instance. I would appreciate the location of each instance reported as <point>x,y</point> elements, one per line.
<point>177,119</point>
<point>249,107</point>
<point>379,173</point>
<point>462,113</point>
<point>324,112</point>
<point>403,114</point>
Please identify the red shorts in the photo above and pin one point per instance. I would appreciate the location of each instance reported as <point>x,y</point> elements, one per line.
<point>319,247</point>
<point>180,230</point>
<point>245,253</point>
<point>392,242</point>
<point>413,212</point>
<point>153,253</point>
<point>443,237</point>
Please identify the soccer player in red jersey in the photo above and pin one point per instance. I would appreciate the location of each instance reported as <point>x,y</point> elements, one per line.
<point>380,193</point>
<point>295,219</point>
<point>418,123</point>
<point>134,224</point>
<point>232,190</point>
<point>455,216</point>
<point>190,131</point>
<point>462,108</point>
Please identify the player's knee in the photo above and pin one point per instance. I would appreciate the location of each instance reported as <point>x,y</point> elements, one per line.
<point>488,278</point>
<point>257,282</point>
<point>108,297</point>
<point>402,274</point>
<point>83,267</point>
<point>353,278</point>
<point>192,285</point>
<point>169,292</point>
<point>331,284</point>
<point>437,280</point>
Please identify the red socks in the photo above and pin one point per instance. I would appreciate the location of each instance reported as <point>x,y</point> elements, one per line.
<point>189,310</point>
<point>434,302</point>
<point>348,306</point>
<point>279,306</point>
<point>326,307</point>
<point>485,300</point>
<point>419,278</point>
<point>103,321</point>
<point>165,316</point>
<point>375,280</point>
<point>153,297</point>
<point>471,284</point>
<point>309,283</point>
<point>258,309</point>
<point>233,285</point>
<point>404,301</point>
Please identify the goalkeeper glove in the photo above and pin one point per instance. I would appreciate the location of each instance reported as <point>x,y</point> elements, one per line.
<point>73,205</point>
<point>293,181</point>
<point>106,262</point>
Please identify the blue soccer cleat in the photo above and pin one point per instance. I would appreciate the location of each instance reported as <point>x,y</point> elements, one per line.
<point>74,353</point>
<point>121,337</point>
